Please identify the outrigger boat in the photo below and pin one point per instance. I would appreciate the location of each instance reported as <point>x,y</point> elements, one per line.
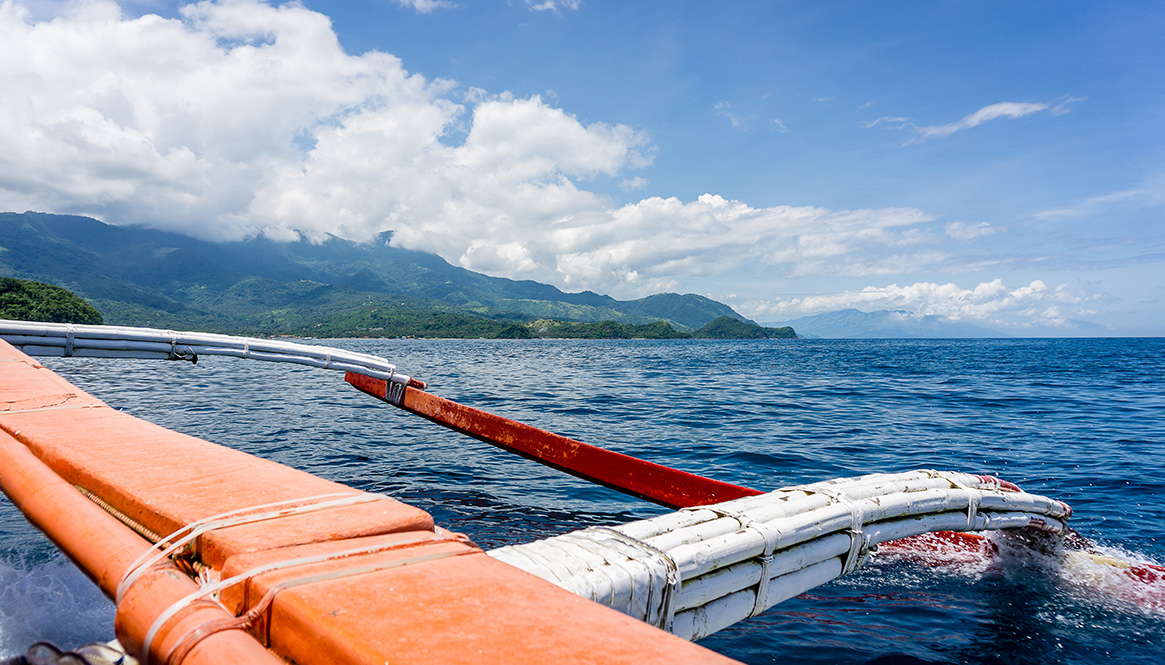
<point>216,556</point>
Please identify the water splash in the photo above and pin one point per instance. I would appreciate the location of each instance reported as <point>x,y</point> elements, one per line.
<point>1113,574</point>
<point>1087,571</point>
<point>50,601</point>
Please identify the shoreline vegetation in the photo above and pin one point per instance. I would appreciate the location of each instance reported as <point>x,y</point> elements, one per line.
<point>457,326</point>
<point>24,300</point>
<point>35,301</point>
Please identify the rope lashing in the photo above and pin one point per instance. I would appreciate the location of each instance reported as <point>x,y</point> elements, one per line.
<point>974,496</point>
<point>185,353</point>
<point>69,341</point>
<point>772,538</point>
<point>249,619</point>
<point>173,545</point>
<point>176,542</point>
<point>859,547</point>
<point>213,588</point>
<point>670,586</point>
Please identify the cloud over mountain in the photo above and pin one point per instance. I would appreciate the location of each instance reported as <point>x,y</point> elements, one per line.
<point>243,118</point>
<point>1013,309</point>
<point>238,118</point>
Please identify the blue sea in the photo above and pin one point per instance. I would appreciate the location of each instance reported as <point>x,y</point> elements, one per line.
<point>1080,420</point>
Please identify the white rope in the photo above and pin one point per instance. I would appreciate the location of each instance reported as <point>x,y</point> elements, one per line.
<point>218,587</point>
<point>974,496</point>
<point>669,591</point>
<point>770,533</point>
<point>185,644</point>
<point>859,542</point>
<point>612,568</point>
<point>177,541</point>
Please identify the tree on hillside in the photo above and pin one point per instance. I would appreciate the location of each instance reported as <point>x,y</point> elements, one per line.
<point>23,300</point>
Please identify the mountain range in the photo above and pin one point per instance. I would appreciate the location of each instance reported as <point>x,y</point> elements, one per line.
<point>146,277</point>
<point>140,276</point>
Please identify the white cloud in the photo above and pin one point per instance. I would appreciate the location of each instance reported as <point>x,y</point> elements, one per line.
<point>553,5</point>
<point>1010,110</point>
<point>176,123</point>
<point>988,303</point>
<point>724,109</point>
<point>1151,194</point>
<point>243,118</point>
<point>660,241</point>
<point>964,231</point>
<point>780,126</point>
<point>985,114</point>
<point>425,6</point>
<point>897,122</point>
<point>633,184</point>
<point>201,124</point>
<point>1062,104</point>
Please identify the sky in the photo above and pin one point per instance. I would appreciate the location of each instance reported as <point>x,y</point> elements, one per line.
<point>997,163</point>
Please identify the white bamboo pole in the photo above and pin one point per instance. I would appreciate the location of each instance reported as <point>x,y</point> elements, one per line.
<point>61,339</point>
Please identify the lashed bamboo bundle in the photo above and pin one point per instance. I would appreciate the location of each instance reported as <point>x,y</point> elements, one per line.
<point>699,570</point>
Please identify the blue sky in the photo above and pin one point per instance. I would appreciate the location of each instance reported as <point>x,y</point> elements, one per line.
<point>999,163</point>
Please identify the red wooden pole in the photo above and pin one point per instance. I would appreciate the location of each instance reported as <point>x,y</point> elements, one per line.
<point>654,482</point>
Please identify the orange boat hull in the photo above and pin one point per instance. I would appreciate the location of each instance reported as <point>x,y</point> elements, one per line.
<point>416,593</point>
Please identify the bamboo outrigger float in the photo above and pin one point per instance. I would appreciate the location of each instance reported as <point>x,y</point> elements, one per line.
<point>215,556</point>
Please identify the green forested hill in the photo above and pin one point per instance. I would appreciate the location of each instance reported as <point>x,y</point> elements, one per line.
<point>23,300</point>
<point>727,327</point>
<point>138,276</point>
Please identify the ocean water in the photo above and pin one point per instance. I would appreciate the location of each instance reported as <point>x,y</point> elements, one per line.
<point>1080,420</point>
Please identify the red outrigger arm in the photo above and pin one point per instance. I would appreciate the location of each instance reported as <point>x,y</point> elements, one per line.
<point>654,482</point>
